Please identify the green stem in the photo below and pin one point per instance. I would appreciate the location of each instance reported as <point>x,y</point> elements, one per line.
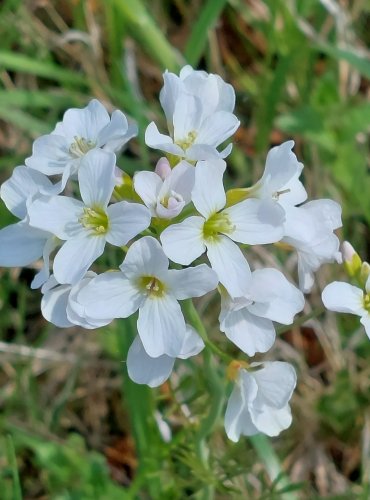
<point>216,391</point>
<point>194,320</point>
<point>17,490</point>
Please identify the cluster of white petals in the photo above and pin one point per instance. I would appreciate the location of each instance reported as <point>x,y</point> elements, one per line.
<point>181,236</point>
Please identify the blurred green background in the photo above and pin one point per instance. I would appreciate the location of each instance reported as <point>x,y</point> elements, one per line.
<point>72,426</point>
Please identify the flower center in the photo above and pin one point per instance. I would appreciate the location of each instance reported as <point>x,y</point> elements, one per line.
<point>95,219</point>
<point>152,286</point>
<point>81,146</point>
<point>171,200</point>
<point>188,141</point>
<point>366,302</point>
<point>217,223</point>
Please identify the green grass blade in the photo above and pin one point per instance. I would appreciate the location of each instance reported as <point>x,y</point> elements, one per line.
<point>198,38</point>
<point>17,490</point>
<point>18,62</point>
<point>143,28</point>
<point>269,458</point>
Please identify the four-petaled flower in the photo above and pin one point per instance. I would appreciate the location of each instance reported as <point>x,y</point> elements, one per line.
<point>87,225</point>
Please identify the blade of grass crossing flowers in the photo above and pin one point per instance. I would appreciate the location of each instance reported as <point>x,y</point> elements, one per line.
<point>12,459</point>
<point>207,20</point>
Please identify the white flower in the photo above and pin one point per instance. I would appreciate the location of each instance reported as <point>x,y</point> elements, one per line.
<point>21,244</point>
<point>87,226</point>
<point>165,192</point>
<point>216,230</point>
<point>198,108</point>
<point>346,298</point>
<point>146,283</point>
<point>248,321</point>
<point>280,180</point>
<point>309,229</point>
<point>143,369</point>
<point>259,400</point>
<point>59,304</point>
<point>80,131</point>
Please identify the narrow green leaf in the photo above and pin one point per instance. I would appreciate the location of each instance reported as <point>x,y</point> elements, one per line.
<point>359,62</point>
<point>145,30</point>
<point>17,490</point>
<point>206,21</point>
<point>267,455</point>
<point>19,62</point>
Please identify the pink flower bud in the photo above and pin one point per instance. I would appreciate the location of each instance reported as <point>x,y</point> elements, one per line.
<point>163,168</point>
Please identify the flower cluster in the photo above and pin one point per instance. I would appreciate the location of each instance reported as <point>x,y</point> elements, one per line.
<point>181,236</point>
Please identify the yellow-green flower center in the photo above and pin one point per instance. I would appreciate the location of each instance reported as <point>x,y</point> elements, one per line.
<point>188,141</point>
<point>216,224</point>
<point>95,219</point>
<point>152,286</point>
<point>81,146</point>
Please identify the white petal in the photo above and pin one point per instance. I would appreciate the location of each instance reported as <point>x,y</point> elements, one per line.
<point>161,326</point>
<point>110,295</point>
<point>281,173</point>
<point>192,343</point>
<point>126,220</point>
<point>57,214</point>
<point>147,185</point>
<point>208,194</point>
<point>96,177</point>
<point>50,154</point>
<point>216,128</point>
<point>54,305</point>
<point>43,275</point>
<point>230,265</point>
<point>145,257</point>
<point>276,381</point>
<point>76,312</point>
<point>23,184</point>
<point>143,369</point>
<point>154,139</point>
<point>192,282</point>
<point>172,85</point>
<point>343,297</point>
<point>248,332</point>
<point>186,116</point>
<point>183,243</point>
<point>85,123</point>
<point>256,221</point>
<point>76,256</point>
<point>21,244</point>
<point>116,133</point>
<point>365,321</point>
<point>274,297</point>
<point>180,180</point>
<point>327,211</point>
<point>271,421</point>
<point>237,417</point>
<point>200,152</point>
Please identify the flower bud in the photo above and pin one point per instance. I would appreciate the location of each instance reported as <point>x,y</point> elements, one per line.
<point>351,260</point>
<point>163,168</point>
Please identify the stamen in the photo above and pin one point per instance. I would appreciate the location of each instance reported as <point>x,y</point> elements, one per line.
<point>81,146</point>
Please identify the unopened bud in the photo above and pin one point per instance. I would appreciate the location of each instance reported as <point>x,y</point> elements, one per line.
<point>364,272</point>
<point>351,260</point>
<point>163,168</point>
